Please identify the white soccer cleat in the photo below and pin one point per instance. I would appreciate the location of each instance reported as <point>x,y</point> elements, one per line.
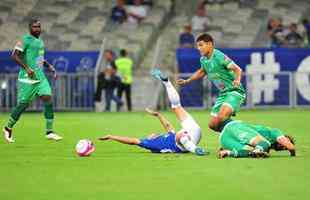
<point>53,136</point>
<point>8,136</point>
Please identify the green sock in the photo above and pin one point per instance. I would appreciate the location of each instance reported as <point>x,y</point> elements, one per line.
<point>49,125</point>
<point>16,113</point>
<point>239,153</point>
<point>49,116</point>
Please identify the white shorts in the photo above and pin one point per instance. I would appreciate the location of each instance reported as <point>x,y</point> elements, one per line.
<point>193,129</point>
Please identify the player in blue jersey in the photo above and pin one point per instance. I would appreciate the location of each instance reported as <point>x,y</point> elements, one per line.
<point>184,140</point>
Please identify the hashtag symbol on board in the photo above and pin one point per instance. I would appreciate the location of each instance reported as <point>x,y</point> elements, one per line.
<point>262,81</point>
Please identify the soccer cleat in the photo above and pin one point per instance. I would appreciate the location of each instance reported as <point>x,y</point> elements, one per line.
<point>156,73</point>
<point>8,135</point>
<point>200,151</point>
<point>53,136</point>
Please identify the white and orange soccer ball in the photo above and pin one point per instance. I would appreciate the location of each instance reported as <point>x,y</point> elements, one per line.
<point>84,147</point>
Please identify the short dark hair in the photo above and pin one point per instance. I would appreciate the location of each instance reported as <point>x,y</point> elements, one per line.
<point>123,52</point>
<point>278,147</point>
<point>32,21</point>
<point>205,37</point>
<point>291,138</point>
<point>305,21</point>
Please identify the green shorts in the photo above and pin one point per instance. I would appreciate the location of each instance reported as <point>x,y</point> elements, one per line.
<point>232,99</point>
<point>27,91</point>
<point>237,136</point>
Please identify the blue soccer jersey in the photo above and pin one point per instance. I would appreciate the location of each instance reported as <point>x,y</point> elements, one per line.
<point>164,143</point>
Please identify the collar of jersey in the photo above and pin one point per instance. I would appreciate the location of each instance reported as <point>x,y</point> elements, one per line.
<point>33,36</point>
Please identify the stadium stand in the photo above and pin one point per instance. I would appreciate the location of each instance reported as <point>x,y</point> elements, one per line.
<point>81,25</point>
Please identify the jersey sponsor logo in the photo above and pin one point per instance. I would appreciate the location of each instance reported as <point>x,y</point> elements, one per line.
<point>40,61</point>
<point>219,84</point>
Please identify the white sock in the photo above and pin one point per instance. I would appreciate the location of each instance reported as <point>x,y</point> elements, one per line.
<point>188,144</point>
<point>173,95</point>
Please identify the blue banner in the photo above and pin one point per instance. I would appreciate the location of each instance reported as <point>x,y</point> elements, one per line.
<point>265,88</point>
<point>67,61</point>
<point>288,58</point>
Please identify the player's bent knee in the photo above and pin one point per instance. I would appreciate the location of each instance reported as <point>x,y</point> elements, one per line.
<point>46,98</point>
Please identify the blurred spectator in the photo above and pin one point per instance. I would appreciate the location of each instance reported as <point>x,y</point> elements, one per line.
<point>119,14</point>
<point>110,82</point>
<point>276,32</point>
<point>213,1</point>
<point>186,38</point>
<point>109,63</point>
<point>109,57</point>
<point>200,20</point>
<point>293,38</point>
<point>124,66</point>
<point>136,12</point>
<point>306,25</point>
<point>148,3</point>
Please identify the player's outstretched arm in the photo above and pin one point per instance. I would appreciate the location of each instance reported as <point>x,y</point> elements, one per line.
<point>164,122</point>
<point>121,139</point>
<point>200,73</point>
<point>238,73</point>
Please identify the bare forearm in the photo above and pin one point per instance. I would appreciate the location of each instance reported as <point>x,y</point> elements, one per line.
<point>196,76</point>
<point>19,61</point>
<point>238,72</point>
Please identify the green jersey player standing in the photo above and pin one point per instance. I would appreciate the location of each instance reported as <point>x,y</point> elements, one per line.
<point>225,75</point>
<point>240,139</point>
<point>32,82</point>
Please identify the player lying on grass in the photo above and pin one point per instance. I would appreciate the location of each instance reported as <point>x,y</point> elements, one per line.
<point>185,140</point>
<point>240,139</point>
<point>225,74</point>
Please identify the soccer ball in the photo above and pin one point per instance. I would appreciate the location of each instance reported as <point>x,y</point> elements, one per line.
<point>84,147</point>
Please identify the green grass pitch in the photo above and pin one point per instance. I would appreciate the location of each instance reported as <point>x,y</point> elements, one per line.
<point>34,168</point>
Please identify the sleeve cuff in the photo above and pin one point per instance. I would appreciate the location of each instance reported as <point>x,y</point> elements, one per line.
<point>230,64</point>
<point>18,48</point>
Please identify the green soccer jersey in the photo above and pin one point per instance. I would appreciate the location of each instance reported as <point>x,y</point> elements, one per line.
<point>32,49</point>
<point>244,133</point>
<point>217,69</point>
<point>271,134</point>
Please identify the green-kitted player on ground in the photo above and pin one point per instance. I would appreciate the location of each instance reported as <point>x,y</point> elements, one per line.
<point>225,75</point>
<point>240,139</point>
<point>32,82</point>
